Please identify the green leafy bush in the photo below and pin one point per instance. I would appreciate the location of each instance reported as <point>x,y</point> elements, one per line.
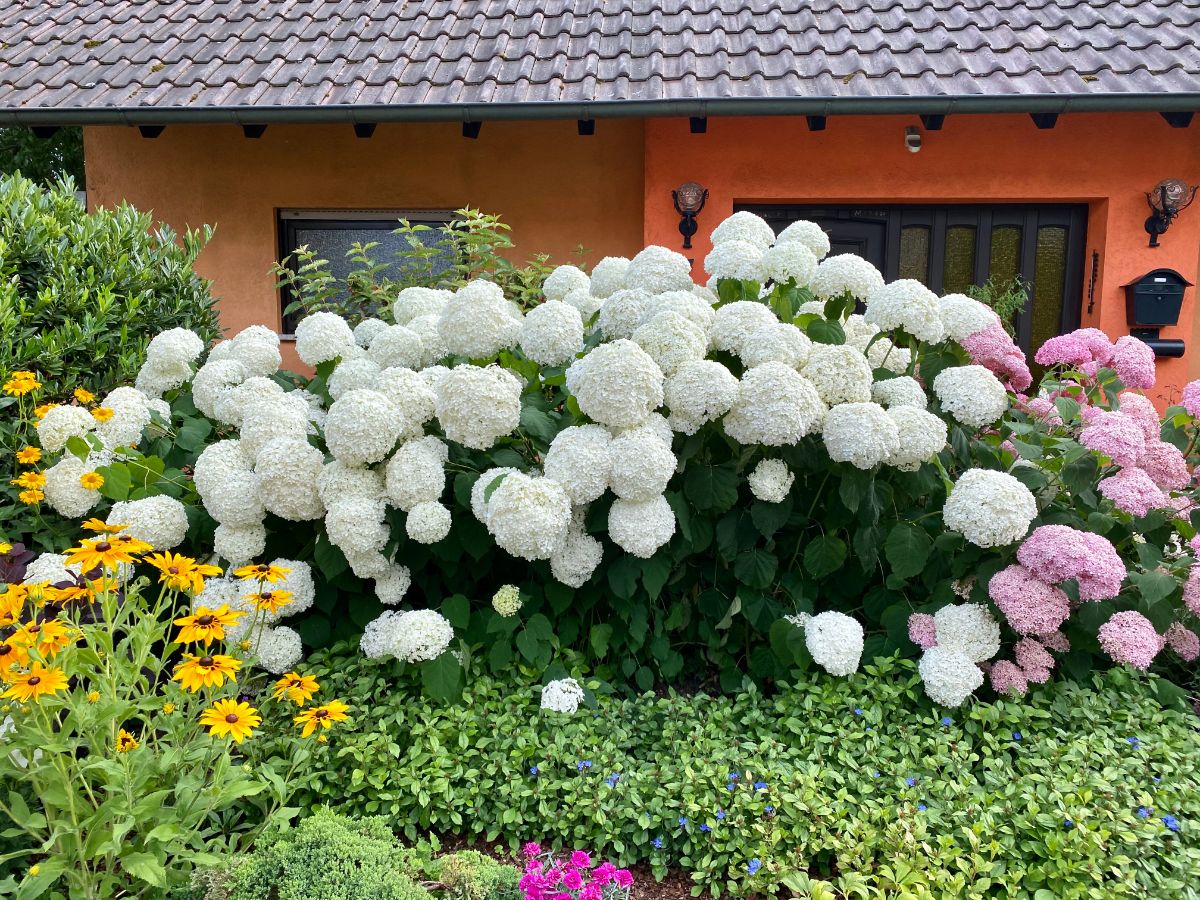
<point>1037,798</point>
<point>469,875</point>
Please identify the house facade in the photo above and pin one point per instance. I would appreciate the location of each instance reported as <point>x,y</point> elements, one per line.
<point>949,142</point>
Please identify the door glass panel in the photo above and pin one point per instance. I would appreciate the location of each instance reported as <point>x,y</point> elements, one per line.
<point>958,273</point>
<point>1006,256</point>
<point>914,253</point>
<point>1049,279</point>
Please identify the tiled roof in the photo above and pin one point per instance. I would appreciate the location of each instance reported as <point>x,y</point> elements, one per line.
<point>135,60</point>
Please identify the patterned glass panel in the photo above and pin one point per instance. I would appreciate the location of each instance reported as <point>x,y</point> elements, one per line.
<point>1049,283</point>
<point>958,273</point>
<point>914,253</point>
<point>1006,255</point>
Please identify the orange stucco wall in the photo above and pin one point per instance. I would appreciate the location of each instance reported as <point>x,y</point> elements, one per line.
<point>1106,161</point>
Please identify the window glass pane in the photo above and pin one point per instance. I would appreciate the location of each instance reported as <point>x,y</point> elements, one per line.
<point>958,273</point>
<point>1049,280</point>
<point>1006,256</point>
<point>914,253</point>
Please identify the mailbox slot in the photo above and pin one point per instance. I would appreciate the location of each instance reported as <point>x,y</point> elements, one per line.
<point>1156,298</point>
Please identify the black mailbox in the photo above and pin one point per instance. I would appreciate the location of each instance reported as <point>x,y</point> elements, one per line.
<point>1155,298</point>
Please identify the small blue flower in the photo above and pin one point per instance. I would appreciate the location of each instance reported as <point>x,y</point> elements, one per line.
<point>733,776</point>
<point>1133,742</point>
<point>656,843</point>
<point>869,728</point>
<point>706,828</point>
<point>1017,736</point>
<point>921,807</point>
<point>1067,823</point>
<point>720,814</point>
<point>760,785</point>
<point>579,765</point>
<point>612,779</point>
<point>533,770</point>
<point>683,821</point>
<point>946,720</point>
<point>1156,779</point>
<point>874,774</point>
<point>1143,812</point>
<point>754,866</point>
<point>770,810</point>
<point>910,781</point>
<point>1170,822</point>
<point>857,711</point>
<point>732,786</point>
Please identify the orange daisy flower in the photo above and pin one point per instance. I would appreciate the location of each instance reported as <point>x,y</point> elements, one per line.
<point>229,718</point>
<point>296,687</point>
<point>206,625</point>
<point>321,717</point>
<point>38,682</point>
<point>181,573</point>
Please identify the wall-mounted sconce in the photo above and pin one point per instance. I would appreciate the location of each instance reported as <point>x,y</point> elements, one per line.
<point>689,199</point>
<point>1169,197</point>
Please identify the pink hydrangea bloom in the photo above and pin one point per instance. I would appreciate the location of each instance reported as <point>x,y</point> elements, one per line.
<point>1063,350</point>
<point>922,630</point>
<point>1055,553</point>
<point>1116,435</point>
<point>1139,408</point>
<point>1129,638</point>
<point>1191,398</point>
<point>1132,491</point>
<point>1031,656</point>
<point>1134,361</point>
<point>1183,641</point>
<point>994,349</point>
<point>1194,543</point>
<point>1045,409</point>
<point>1191,590</point>
<point>1097,343</point>
<point>1165,465</point>
<point>1031,605</point>
<point>1007,678</point>
<point>1056,641</point>
<point>1037,676</point>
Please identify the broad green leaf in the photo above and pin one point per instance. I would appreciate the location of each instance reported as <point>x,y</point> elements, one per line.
<point>907,549</point>
<point>824,555</point>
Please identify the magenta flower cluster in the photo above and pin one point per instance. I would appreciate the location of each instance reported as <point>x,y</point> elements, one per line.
<point>1088,349</point>
<point>573,878</point>
<point>993,349</point>
<point>1055,553</point>
<point>1129,637</point>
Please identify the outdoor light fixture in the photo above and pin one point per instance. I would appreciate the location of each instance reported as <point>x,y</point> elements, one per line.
<point>1169,197</point>
<point>689,199</point>
<point>912,139</point>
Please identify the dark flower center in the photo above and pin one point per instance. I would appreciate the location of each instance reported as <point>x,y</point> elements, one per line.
<point>204,620</point>
<point>231,718</point>
<point>34,681</point>
<point>5,649</point>
<point>173,570</point>
<point>207,662</point>
<point>104,546</point>
<point>321,713</point>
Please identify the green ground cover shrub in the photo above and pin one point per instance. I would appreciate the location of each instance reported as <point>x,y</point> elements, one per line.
<point>853,785</point>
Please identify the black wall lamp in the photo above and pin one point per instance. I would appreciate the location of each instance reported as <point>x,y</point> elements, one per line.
<point>1169,197</point>
<point>689,199</point>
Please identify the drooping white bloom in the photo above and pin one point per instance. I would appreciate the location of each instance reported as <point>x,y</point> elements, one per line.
<point>950,676</point>
<point>213,380</point>
<point>278,649</point>
<point>528,517</point>
<point>131,415</point>
<point>671,340</point>
<point>416,302</point>
<point>230,404</point>
<point>861,434</point>
<point>657,269</point>
<point>775,406</point>
<point>339,481</point>
<point>922,435</point>
<point>687,303</point>
<point>256,348</point>
<point>396,345</point>
<point>160,521</point>
<point>368,563</point>
<point>239,544</point>
<point>989,509</point>
<point>228,488</point>
<point>781,342</point>
<point>411,393</point>
<point>356,526</point>
<point>366,331</point>
<point>963,316</point>
<point>734,323</point>
<point>64,492</point>
<point>579,460</point>
<point>485,486</point>
<point>299,582</point>
<point>788,260</point>
<point>421,635</point>
<point>173,348</point>
<point>640,527</point>
<point>428,522</point>
<point>428,329</point>
<point>393,584</point>
<point>476,406</point>
<point>562,696</point>
<point>587,303</point>
<point>563,280</point>
<point>608,276</point>
<point>747,227</point>
<point>909,305</point>
<point>972,394</point>
<point>699,392</point>
<point>552,333</point>
<point>845,273</point>
<point>352,375</point>
<point>900,391</point>
<point>835,641</point>
<point>968,628</point>
<point>280,416</point>
<point>576,559</point>
<point>60,424</point>
<point>841,374</point>
<point>735,259</point>
<point>322,336</point>
<point>810,234</point>
<point>416,473</point>
<point>771,480</point>
<point>49,568</point>
<point>287,470</point>
<point>623,311</point>
<point>616,384</point>
<point>478,322</point>
<point>362,427</point>
<point>641,465</point>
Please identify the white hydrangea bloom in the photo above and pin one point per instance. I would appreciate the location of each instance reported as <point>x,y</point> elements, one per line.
<point>485,485</point>
<point>392,585</point>
<point>421,635</point>
<point>579,460</point>
<point>256,348</point>
<point>428,329</point>
<point>775,406</point>
<point>280,416</point>
<point>841,374</point>
<point>835,641</point>
<point>49,568</point>
<point>299,581</point>
<point>278,649</point>
<point>845,273</point>
<point>655,423</point>
<point>687,303</point>
<point>230,405</point>
<point>901,391</point>
<point>963,316</point>
<point>64,492</point>
<point>362,427</point>
<point>586,303</point>
<point>478,322</point>
<point>476,406</point>
<point>576,559</point>
<point>862,434</point>
<point>396,346</point>
<point>428,522</point>
<point>735,259</point>
<point>562,696</point>
<point>227,485</point>
<point>528,517</point>
<point>672,341</point>
<point>705,293</point>
<point>771,480</point>
<point>60,424</point>
<point>640,527</point>
<point>366,330</point>
<point>968,628</point>
<point>552,333</point>
<point>212,380</point>
<point>788,260</point>
<point>415,302</point>
<point>699,392</point>
<point>368,563</point>
<point>747,227</point>
<point>810,234</point>
<point>174,347</point>
<point>416,473</point>
<point>617,384</point>
<point>287,470</point>
<point>782,342</point>
<point>563,280</point>
<point>339,481</point>
<point>322,336</point>
<point>608,276</point>
<point>507,601</point>
<point>131,415</point>
<point>154,380</point>
<point>160,521</point>
<point>356,525</point>
<point>657,269</point>
<point>239,544</point>
<point>411,393</point>
<point>989,509</point>
<point>734,324</point>
<point>909,305</point>
<point>950,676</point>
<point>641,465</point>
<point>352,375</point>
<point>379,637</point>
<point>972,394</point>
<point>623,311</point>
<point>922,436</point>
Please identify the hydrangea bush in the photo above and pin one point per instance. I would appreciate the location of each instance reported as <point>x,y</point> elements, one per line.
<point>795,464</point>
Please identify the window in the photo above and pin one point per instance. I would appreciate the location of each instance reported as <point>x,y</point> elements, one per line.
<point>950,248</point>
<point>330,233</point>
